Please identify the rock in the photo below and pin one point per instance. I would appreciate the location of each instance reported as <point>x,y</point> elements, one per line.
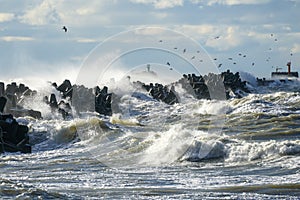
<point>103,101</point>
<point>160,92</point>
<point>3,101</point>
<point>13,136</point>
<point>2,89</point>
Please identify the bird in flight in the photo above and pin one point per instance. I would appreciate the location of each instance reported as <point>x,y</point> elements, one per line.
<point>168,63</point>
<point>65,28</point>
<point>192,57</point>
<point>219,65</point>
<point>184,50</point>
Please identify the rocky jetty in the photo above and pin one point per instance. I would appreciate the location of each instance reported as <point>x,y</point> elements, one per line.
<point>14,137</point>
<point>211,86</point>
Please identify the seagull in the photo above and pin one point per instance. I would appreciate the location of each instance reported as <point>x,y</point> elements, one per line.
<point>275,40</point>
<point>184,50</point>
<point>240,54</point>
<point>192,57</point>
<point>252,64</point>
<point>234,63</point>
<point>291,54</point>
<point>229,58</point>
<point>168,63</point>
<point>244,56</point>
<point>175,47</point>
<point>198,51</point>
<point>219,65</point>
<point>160,40</point>
<point>201,60</point>
<point>171,68</point>
<point>65,28</point>
<point>217,37</point>
<point>215,58</point>
<point>271,34</point>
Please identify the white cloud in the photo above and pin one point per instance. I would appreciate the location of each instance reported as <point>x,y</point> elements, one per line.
<point>161,4</point>
<point>80,13</point>
<point>86,11</point>
<point>230,2</point>
<point>71,13</point>
<point>204,29</point>
<point>4,17</point>
<point>15,38</point>
<point>230,38</point>
<point>296,48</point>
<point>227,36</point>
<point>86,40</point>
<point>44,13</point>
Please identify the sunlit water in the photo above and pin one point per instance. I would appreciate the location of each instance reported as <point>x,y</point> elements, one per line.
<point>235,149</point>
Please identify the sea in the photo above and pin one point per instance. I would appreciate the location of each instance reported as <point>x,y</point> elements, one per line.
<point>241,148</point>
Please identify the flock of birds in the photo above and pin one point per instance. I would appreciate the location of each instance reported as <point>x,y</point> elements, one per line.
<point>65,29</point>
<point>230,58</point>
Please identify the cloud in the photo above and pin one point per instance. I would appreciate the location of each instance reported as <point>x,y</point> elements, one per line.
<point>230,38</point>
<point>5,17</point>
<point>86,11</point>
<point>296,48</point>
<point>203,29</point>
<point>15,38</point>
<point>44,13</point>
<point>230,2</point>
<point>160,4</point>
<point>86,40</point>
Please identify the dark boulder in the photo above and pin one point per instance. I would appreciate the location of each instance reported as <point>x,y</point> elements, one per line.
<point>13,136</point>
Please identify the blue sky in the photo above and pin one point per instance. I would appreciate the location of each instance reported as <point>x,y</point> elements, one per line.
<point>32,42</point>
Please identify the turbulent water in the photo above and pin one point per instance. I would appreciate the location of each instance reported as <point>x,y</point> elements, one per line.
<point>204,149</point>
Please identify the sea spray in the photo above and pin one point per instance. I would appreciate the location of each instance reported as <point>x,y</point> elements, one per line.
<point>168,146</point>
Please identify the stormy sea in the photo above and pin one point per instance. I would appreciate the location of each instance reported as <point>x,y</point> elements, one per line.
<point>243,147</point>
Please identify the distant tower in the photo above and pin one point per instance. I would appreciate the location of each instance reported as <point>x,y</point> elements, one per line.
<point>289,67</point>
<point>148,67</point>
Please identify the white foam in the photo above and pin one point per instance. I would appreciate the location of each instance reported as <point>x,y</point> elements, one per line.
<point>250,150</point>
<point>168,146</point>
<point>213,107</point>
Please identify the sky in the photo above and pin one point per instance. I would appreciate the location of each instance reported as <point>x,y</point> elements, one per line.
<point>255,36</point>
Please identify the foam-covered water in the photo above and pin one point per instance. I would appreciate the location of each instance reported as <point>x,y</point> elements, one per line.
<point>240,148</point>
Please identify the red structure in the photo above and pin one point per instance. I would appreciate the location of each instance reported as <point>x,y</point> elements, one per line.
<point>288,74</point>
